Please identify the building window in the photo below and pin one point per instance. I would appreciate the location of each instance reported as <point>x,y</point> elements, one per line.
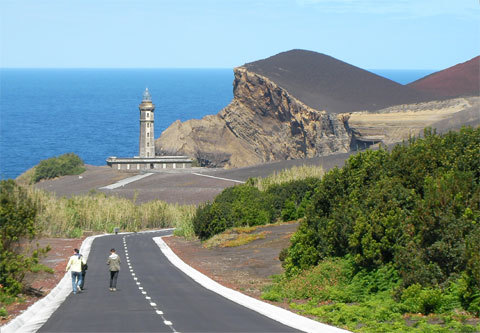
<point>148,134</point>
<point>148,124</point>
<point>148,114</point>
<point>148,144</point>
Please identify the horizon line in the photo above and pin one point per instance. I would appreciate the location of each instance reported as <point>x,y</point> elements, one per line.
<point>116,68</point>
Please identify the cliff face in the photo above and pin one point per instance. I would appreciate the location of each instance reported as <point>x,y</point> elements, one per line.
<point>263,123</point>
<point>278,126</point>
<point>301,104</point>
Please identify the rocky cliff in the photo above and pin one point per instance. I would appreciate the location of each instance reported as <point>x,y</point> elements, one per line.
<point>263,123</point>
<point>267,121</point>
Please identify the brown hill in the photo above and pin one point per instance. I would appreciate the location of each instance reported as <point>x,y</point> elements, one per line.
<point>301,104</point>
<point>459,80</point>
<point>326,83</point>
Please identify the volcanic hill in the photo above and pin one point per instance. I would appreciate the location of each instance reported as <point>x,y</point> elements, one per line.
<point>301,104</point>
<point>459,80</point>
<point>325,83</point>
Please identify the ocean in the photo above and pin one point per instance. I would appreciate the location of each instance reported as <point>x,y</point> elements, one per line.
<point>94,112</point>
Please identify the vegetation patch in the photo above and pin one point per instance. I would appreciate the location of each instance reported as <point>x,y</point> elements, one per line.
<point>287,175</point>
<point>368,301</point>
<point>69,217</point>
<point>231,238</point>
<point>390,242</point>
<point>63,165</point>
<point>17,224</point>
<point>246,206</point>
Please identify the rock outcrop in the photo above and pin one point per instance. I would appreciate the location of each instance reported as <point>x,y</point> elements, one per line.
<point>263,123</point>
<point>267,121</point>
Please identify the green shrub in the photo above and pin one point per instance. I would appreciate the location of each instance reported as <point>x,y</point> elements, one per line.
<point>416,208</point>
<point>67,164</point>
<point>241,205</point>
<point>17,223</point>
<point>246,205</point>
<point>471,278</point>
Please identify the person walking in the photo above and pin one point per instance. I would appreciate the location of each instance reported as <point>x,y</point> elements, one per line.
<point>75,267</point>
<point>113,263</point>
<point>84,272</point>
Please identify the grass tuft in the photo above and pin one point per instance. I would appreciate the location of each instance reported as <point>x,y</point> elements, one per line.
<point>287,175</point>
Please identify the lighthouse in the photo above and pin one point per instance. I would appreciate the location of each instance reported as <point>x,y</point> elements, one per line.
<point>147,160</point>
<point>146,107</point>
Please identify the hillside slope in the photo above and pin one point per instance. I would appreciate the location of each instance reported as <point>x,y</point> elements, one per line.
<point>459,80</point>
<point>325,83</point>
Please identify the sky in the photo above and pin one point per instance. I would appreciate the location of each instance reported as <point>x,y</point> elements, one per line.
<point>371,34</point>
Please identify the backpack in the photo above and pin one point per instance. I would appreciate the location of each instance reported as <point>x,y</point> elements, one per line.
<point>84,266</point>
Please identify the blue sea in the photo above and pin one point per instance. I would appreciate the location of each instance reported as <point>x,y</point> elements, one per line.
<point>94,112</point>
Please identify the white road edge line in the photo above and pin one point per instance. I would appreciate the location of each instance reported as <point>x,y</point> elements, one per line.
<point>278,314</point>
<point>230,180</point>
<point>39,312</point>
<point>125,181</point>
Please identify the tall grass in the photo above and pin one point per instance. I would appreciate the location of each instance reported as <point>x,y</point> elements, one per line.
<point>59,217</point>
<point>287,175</point>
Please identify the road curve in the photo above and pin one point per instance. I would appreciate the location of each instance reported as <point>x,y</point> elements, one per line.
<point>153,296</point>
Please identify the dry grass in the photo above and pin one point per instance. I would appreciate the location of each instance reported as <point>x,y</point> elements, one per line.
<point>230,238</point>
<point>287,175</point>
<point>243,239</point>
<point>58,217</point>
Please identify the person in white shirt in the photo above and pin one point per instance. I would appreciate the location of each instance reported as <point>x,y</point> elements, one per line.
<point>75,266</point>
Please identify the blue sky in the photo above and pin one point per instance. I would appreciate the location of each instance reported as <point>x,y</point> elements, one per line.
<point>372,34</point>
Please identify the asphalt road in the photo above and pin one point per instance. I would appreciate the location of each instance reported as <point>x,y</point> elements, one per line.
<point>152,296</point>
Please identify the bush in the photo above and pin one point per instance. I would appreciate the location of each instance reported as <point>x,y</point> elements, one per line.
<point>246,205</point>
<point>67,164</point>
<point>17,223</point>
<point>238,206</point>
<point>417,208</point>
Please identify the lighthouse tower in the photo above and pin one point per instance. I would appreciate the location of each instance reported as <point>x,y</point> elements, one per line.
<point>147,144</point>
<point>147,159</point>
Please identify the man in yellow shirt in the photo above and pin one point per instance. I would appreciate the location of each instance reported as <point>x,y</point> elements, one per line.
<point>75,266</point>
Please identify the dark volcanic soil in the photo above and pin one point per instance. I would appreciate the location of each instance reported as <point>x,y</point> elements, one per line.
<point>245,268</point>
<point>326,83</point>
<point>459,80</point>
<point>182,187</point>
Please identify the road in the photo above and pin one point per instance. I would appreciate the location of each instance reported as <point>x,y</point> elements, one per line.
<point>152,296</point>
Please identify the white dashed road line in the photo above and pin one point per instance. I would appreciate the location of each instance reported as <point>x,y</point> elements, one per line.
<point>148,298</point>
